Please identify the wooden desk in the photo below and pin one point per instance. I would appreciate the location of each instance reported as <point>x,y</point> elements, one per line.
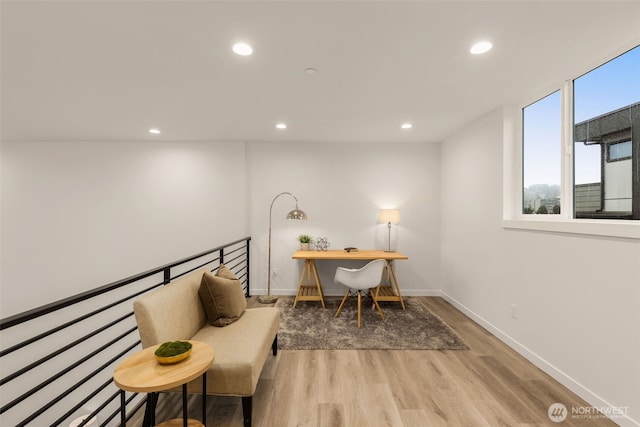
<point>310,288</point>
<point>141,372</point>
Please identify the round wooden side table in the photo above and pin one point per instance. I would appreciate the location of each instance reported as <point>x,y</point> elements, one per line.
<point>141,373</point>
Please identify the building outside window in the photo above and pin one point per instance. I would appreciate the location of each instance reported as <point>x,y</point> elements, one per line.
<point>614,135</point>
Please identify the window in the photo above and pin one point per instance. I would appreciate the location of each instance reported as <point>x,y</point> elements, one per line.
<point>606,123</point>
<point>619,151</point>
<point>605,132</point>
<point>541,144</point>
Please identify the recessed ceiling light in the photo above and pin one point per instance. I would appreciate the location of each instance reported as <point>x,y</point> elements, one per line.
<point>481,47</point>
<point>406,126</point>
<point>154,131</point>
<point>281,126</point>
<point>310,71</point>
<point>242,49</point>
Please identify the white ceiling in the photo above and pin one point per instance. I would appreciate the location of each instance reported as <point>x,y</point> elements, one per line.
<point>110,70</point>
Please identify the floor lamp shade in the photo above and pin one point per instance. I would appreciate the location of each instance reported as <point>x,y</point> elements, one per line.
<point>294,214</point>
<point>390,216</point>
<point>297,214</point>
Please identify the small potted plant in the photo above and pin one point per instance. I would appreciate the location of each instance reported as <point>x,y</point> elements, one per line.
<point>305,241</point>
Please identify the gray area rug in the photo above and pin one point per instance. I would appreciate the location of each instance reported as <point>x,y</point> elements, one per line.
<point>309,327</point>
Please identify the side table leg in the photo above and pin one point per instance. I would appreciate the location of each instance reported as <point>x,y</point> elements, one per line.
<point>123,409</point>
<point>185,415</point>
<point>204,399</point>
<point>150,410</point>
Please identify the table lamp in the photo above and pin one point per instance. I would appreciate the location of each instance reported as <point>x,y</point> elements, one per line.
<point>389,216</point>
<point>294,214</point>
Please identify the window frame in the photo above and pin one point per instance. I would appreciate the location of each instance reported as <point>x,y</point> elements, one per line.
<point>564,222</point>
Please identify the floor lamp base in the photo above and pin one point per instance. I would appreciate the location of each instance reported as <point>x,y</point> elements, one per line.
<point>267,299</point>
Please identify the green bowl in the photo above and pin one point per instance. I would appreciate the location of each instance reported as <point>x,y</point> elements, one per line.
<point>173,352</point>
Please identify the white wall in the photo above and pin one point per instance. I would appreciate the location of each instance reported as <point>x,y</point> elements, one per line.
<point>577,296</point>
<point>78,215</point>
<point>85,214</point>
<point>341,187</point>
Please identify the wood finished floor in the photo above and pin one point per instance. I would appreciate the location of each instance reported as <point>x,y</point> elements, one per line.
<point>488,385</point>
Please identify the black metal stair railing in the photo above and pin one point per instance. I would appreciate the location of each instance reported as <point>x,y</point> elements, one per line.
<point>57,361</point>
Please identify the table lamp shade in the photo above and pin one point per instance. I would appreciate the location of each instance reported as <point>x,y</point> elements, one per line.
<point>390,216</point>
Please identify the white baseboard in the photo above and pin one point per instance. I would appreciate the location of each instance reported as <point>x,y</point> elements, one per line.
<point>590,397</point>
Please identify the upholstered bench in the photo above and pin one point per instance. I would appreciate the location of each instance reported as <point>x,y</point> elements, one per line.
<point>177,312</point>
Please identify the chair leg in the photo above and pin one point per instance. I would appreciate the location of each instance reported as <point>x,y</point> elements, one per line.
<point>346,295</point>
<point>359,297</point>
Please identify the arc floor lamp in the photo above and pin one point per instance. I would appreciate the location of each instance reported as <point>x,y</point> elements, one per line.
<point>294,214</point>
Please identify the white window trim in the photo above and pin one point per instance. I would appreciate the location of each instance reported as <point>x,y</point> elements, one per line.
<point>595,227</point>
<point>513,218</point>
<point>566,151</point>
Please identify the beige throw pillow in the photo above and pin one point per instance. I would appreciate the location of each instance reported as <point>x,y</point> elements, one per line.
<point>222,297</point>
<point>224,272</point>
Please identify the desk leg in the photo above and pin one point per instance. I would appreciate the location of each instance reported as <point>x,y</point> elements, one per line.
<point>313,291</point>
<point>318,284</point>
<point>394,282</point>
<point>390,291</point>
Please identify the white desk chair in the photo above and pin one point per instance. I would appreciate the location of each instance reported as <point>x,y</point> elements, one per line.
<point>360,279</point>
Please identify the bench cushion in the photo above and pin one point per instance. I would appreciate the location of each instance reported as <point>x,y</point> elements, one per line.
<point>241,350</point>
